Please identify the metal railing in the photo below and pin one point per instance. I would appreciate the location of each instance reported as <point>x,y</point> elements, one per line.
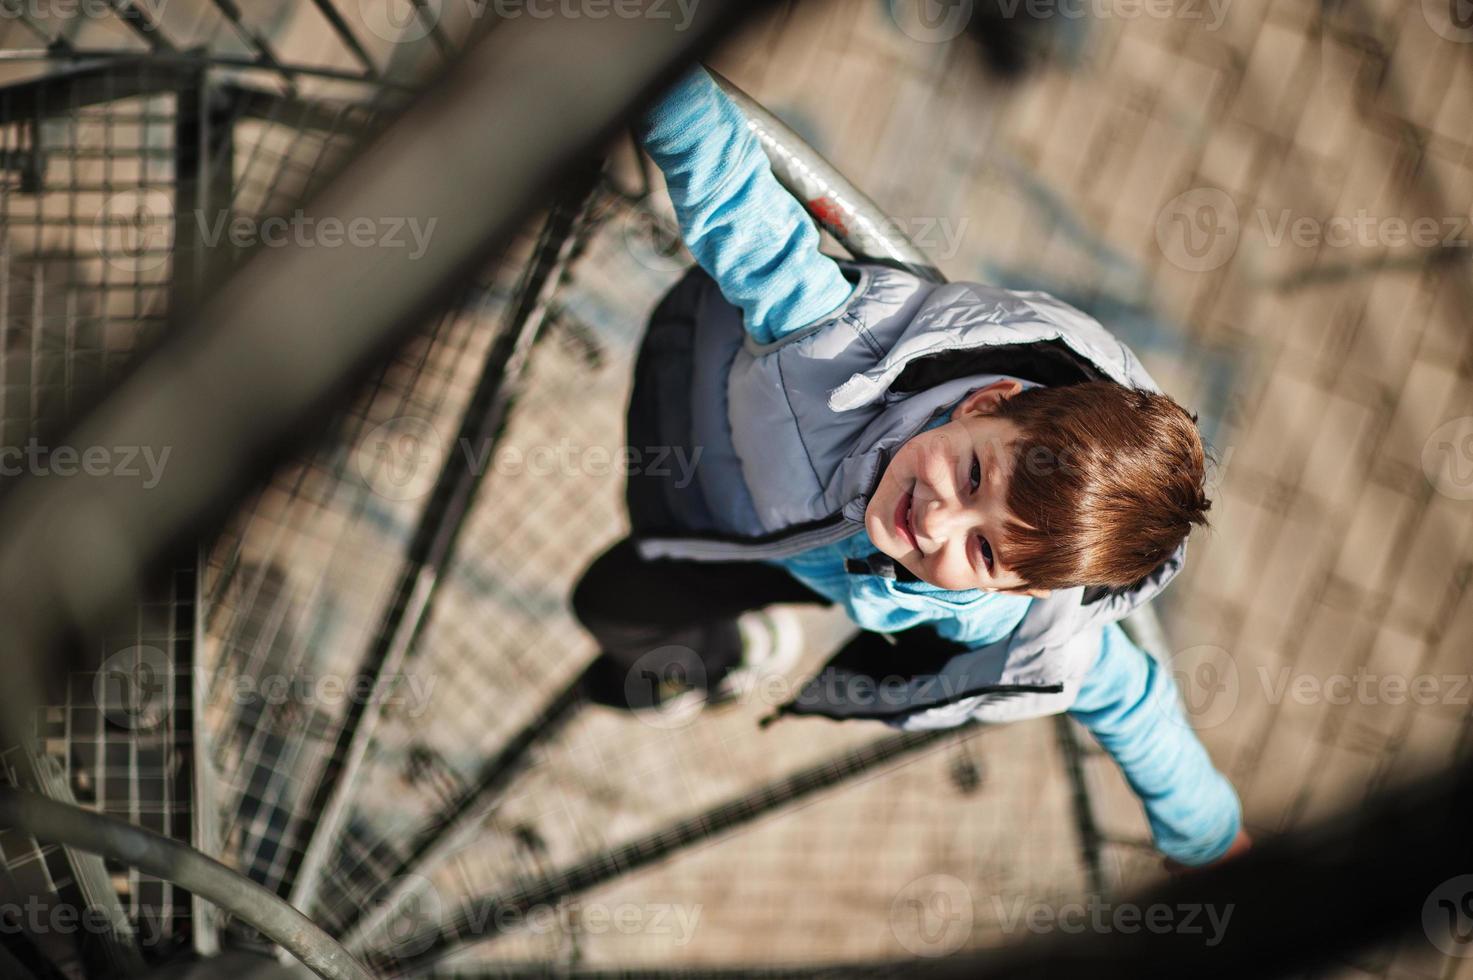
<point>47,820</point>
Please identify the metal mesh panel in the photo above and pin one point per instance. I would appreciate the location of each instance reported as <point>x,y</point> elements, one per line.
<point>309,565</point>
<point>125,742</point>
<point>112,204</point>
<point>82,288</point>
<point>297,580</point>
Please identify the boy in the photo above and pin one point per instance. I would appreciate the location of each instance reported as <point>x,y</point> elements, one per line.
<point>986,481</point>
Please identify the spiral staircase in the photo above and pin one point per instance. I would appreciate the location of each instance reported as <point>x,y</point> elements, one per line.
<point>234,769</point>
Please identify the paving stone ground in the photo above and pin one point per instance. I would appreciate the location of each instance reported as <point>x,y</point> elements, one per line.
<point>1239,201</point>
<point>1273,210</point>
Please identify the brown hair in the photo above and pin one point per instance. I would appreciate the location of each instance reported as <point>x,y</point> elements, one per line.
<point>1106,480</point>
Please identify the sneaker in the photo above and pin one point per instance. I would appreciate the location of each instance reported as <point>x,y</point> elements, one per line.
<point>772,644</point>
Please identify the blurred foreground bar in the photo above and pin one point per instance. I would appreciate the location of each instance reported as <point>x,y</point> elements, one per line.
<point>284,338</point>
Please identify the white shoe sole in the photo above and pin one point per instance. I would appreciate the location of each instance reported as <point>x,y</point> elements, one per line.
<point>772,645</point>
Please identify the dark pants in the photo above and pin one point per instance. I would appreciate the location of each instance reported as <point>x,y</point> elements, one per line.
<point>667,624</point>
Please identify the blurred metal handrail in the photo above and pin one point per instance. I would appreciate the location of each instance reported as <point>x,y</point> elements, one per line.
<point>167,859</point>
<point>839,207</point>
<point>286,335</point>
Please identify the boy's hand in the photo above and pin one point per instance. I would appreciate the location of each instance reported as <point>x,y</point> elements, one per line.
<point>1240,844</point>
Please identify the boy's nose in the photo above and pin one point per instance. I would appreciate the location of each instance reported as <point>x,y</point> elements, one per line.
<point>935,520</point>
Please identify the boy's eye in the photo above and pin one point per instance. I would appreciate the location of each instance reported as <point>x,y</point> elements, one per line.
<point>976,472</point>
<point>986,551</point>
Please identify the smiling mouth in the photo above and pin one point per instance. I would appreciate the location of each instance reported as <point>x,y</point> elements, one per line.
<point>902,520</point>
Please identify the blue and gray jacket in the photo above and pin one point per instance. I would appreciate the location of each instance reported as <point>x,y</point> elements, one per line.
<point>795,380</point>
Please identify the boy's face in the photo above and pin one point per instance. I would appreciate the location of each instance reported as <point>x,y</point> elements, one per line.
<point>941,505</point>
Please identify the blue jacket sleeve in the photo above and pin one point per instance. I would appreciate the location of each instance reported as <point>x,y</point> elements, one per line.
<point>741,225</point>
<point>1131,705</point>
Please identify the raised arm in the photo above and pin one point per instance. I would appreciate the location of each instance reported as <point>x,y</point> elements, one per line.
<point>743,227</point>
<point>1130,704</point>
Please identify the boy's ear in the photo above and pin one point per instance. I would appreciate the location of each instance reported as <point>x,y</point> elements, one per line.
<point>983,401</point>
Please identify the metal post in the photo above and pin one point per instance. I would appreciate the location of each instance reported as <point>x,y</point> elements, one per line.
<point>431,548</point>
